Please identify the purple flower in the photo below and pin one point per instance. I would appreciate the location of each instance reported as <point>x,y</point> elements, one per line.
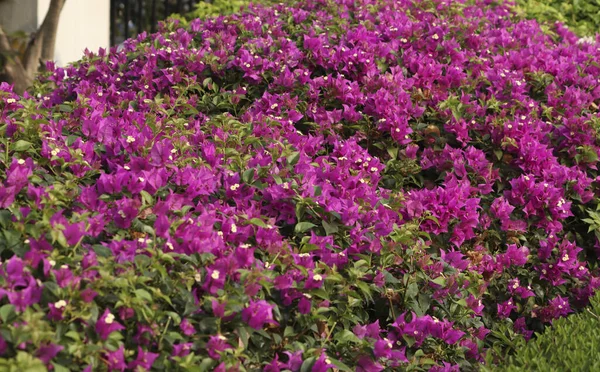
<point>88,295</point>
<point>107,324</point>
<point>383,348</point>
<point>373,330</point>
<point>124,213</point>
<point>56,310</point>
<point>502,209</point>
<point>218,308</point>
<point>116,359</point>
<point>514,256</point>
<point>216,345</point>
<point>215,280</point>
<point>304,305</point>
<point>521,327</point>
<point>451,336</point>
<point>475,304</point>
<point>74,232</point>
<point>258,313</point>
<point>126,313</point>
<point>294,360</point>
<point>322,364</point>
<point>144,360</point>
<point>505,308</point>
<point>187,328</point>
<point>28,296</point>
<point>181,350</point>
<point>366,364</point>
<point>47,352</point>
<point>360,331</point>
<point>3,346</point>
<point>274,366</point>
<point>14,271</point>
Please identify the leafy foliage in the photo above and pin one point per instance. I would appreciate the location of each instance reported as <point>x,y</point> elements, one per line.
<point>581,16</point>
<point>306,186</point>
<point>570,344</point>
<point>215,8</point>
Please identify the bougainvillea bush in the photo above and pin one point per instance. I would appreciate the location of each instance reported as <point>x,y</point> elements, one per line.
<point>321,185</point>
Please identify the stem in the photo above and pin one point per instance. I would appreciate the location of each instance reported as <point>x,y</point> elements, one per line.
<point>164,332</point>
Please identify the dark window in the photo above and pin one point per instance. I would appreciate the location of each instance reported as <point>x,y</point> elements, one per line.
<point>131,17</point>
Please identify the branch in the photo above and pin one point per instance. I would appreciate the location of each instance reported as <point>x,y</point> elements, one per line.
<point>50,29</point>
<point>41,47</point>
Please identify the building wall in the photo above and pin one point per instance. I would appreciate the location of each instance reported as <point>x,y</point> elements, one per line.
<point>18,15</point>
<point>83,24</point>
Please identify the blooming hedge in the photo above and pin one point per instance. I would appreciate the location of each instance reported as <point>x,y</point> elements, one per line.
<point>316,185</point>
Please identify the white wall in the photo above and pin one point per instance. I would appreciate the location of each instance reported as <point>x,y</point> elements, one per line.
<point>18,15</point>
<point>83,24</point>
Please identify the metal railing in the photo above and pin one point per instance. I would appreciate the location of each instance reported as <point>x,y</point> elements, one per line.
<point>131,17</point>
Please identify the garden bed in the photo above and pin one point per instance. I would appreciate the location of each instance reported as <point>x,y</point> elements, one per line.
<point>356,185</point>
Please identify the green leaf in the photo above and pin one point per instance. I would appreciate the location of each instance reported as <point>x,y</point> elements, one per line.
<point>65,108</point>
<point>412,290</point>
<point>244,334</point>
<point>74,335</point>
<point>102,251</point>
<point>389,278</point>
<point>71,139</point>
<point>289,331</point>
<point>293,158</point>
<point>6,312</point>
<point>364,287</point>
<point>248,176</point>
<point>321,293</point>
<point>5,218</point>
<point>330,228</point>
<point>308,364</point>
<point>303,226</point>
<point>498,154</point>
<point>440,280</point>
<point>346,336</point>
<point>143,294</point>
<point>21,145</point>
<point>257,222</point>
<point>147,198</point>
<point>424,303</point>
<point>341,366</point>
<point>59,368</point>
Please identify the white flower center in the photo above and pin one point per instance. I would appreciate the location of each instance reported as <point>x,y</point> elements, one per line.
<point>110,318</point>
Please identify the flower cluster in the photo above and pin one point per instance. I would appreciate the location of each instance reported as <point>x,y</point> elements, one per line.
<point>316,185</point>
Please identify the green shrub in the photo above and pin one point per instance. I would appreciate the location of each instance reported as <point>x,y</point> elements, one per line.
<point>570,345</point>
<point>313,186</point>
<point>219,7</point>
<point>205,10</point>
<point>581,16</point>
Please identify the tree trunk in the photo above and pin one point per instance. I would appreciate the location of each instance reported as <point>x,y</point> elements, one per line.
<point>21,73</point>
<point>14,71</point>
